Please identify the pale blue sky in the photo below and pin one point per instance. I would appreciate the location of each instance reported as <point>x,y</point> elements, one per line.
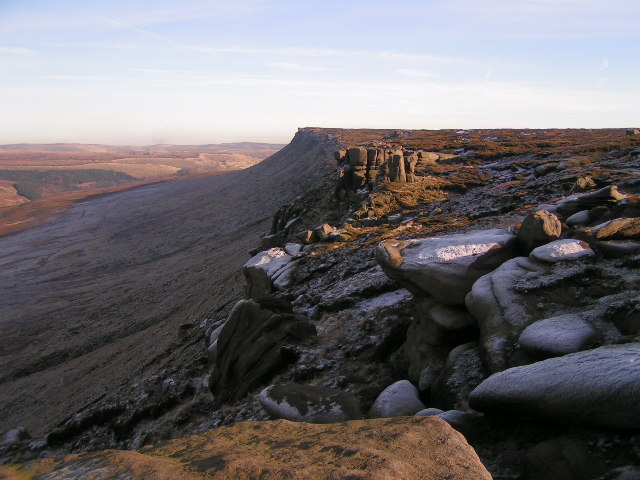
<point>142,71</point>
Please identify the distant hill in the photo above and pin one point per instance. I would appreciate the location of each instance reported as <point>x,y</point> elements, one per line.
<point>127,149</point>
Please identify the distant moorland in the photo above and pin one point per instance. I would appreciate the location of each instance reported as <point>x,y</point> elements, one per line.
<point>39,180</point>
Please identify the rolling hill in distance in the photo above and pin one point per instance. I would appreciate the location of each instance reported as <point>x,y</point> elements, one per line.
<point>54,175</point>
<point>353,274</point>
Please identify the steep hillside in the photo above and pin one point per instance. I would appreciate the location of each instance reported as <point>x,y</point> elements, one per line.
<point>479,276</point>
<point>93,300</point>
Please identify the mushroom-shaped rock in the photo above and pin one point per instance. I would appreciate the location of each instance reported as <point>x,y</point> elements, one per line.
<point>596,387</point>
<point>397,400</point>
<point>538,228</point>
<point>556,336</point>
<point>308,403</point>
<point>262,269</point>
<point>445,267</point>
<point>562,251</point>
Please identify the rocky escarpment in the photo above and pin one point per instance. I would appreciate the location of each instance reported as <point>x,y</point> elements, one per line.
<point>426,294</point>
<point>450,304</point>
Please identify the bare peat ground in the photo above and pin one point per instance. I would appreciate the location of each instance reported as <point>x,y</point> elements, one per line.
<point>93,300</point>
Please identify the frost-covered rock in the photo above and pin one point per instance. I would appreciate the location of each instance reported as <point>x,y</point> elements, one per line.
<point>607,196</point>
<point>596,387</point>
<point>500,310</point>
<point>397,400</point>
<point>262,269</point>
<point>308,403</point>
<point>562,251</point>
<point>579,219</point>
<point>292,248</point>
<point>556,336</point>
<point>445,267</point>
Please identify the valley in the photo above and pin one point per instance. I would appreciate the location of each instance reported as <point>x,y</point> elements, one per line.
<point>353,275</point>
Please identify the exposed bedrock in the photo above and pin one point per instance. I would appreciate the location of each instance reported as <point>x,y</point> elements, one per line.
<point>254,344</point>
<point>367,166</point>
<point>446,267</point>
<point>421,448</point>
<point>596,387</point>
<point>309,403</point>
<point>267,270</point>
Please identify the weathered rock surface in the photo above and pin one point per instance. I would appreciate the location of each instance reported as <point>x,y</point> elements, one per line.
<point>445,267</point>
<point>421,448</point>
<point>537,229</point>
<point>618,229</point>
<point>398,399</point>
<point>462,372</point>
<point>309,403</point>
<point>596,387</point>
<point>499,309</point>
<point>443,324</point>
<point>14,435</point>
<point>253,345</point>
<point>562,251</point>
<point>263,269</point>
<point>557,336</point>
<point>607,196</point>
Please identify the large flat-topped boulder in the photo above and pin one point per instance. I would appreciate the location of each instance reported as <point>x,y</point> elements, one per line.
<point>400,448</point>
<point>446,267</point>
<point>595,387</point>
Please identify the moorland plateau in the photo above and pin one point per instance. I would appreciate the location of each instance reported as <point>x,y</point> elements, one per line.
<point>484,280</point>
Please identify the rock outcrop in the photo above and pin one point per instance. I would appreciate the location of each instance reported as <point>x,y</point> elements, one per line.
<point>403,449</point>
<point>309,403</point>
<point>397,400</point>
<point>254,344</point>
<point>596,387</point>
<point>446,267</point>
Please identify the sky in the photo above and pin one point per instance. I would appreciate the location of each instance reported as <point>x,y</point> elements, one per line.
<point>142,72</point>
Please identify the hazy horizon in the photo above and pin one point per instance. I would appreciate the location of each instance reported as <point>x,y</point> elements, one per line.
<point>197,72</point>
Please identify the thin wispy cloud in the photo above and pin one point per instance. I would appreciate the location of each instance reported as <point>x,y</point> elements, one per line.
<point>604,65</point>
<point>16,50</point>
<point>294,67</point>
<point>413,73</point>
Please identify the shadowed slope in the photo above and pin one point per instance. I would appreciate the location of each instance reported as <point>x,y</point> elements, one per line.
<point>92,300</point>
